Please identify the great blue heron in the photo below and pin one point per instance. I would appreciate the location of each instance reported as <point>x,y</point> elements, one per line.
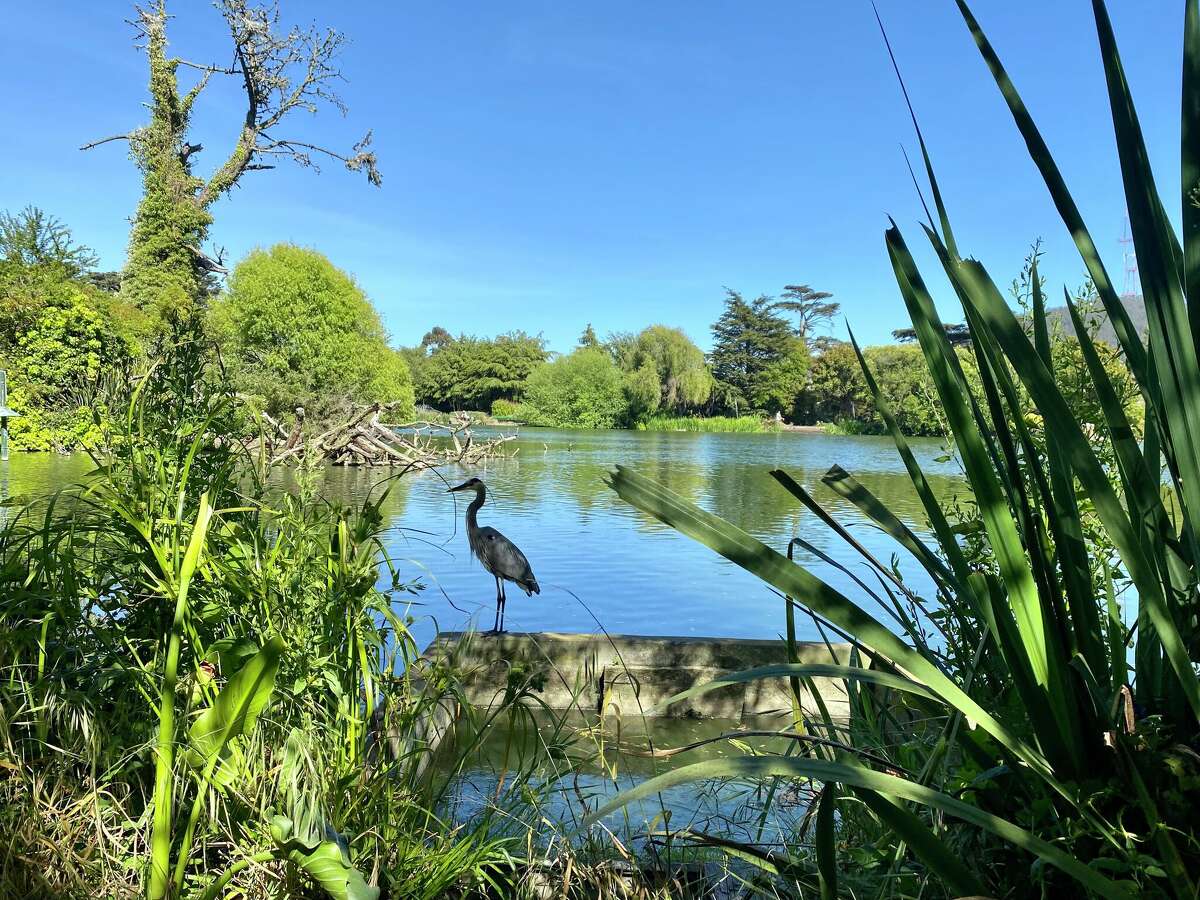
<point>500,556</point>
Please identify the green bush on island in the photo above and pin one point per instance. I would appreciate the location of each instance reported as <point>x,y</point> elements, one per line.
<point>583,389</point>
<point>297,331</point>
<point>467,372</point>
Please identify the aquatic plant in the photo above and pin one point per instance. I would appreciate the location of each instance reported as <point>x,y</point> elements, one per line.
<point>1046,729</point>
<point>740,424</point>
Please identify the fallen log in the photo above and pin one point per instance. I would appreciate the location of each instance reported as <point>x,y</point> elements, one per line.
<point>362,439</point>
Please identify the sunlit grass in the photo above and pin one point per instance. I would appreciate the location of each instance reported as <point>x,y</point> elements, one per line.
<point>730,424</point>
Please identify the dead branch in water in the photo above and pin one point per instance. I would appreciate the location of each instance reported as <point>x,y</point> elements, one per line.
<point>364,440</point>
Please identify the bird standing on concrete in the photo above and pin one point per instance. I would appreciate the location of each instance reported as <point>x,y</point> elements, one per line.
<point>500,556</point>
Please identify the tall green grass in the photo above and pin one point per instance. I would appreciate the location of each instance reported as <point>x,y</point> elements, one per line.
<point>1039,728</point>
<point>197,673</point>
<point>731,424</point>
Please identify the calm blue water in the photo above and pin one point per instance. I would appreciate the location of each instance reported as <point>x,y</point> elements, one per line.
<point>597,559</point>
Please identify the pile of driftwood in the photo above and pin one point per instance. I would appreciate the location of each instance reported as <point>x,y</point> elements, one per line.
<point>363,440</point>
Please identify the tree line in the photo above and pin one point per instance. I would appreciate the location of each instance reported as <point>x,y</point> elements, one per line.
<point>295,331</point>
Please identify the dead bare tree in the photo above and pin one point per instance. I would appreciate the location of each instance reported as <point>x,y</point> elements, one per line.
<point>282,72</point>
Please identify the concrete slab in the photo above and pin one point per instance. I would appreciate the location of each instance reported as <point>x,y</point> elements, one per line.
<point>634,674</point>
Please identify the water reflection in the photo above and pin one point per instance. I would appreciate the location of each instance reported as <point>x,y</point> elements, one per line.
<point>598,558</point>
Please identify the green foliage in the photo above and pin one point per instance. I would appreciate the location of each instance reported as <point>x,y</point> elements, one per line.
<point>643,393</point>
<point>678,365</point>
<point>741,424</point>
<point>581,390</point>
<point>588,340</point>
<point>506,410</point>
<point>297,331</point>
<point>779,387</point>
<point>136,681</point>
<point>836,389</point>
<point>748,340</point>
<point>472,373</point>
<point>904,381</point>
<point>34,242</point>
<point>811,309</point>
<point>59,336</point>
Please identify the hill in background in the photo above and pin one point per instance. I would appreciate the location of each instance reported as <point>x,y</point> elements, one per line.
<point>1134,305</point>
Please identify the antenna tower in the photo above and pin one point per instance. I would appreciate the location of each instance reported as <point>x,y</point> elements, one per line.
<point>1132,283</point>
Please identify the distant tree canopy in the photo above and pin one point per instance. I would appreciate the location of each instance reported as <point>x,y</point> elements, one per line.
<point>955,333</point>
<point>749,342</point>
<point>58,334</point>
<point>682,376</point>
<point>282,72</point>
<point>811,309</point>
<point>583,389</point>
<point>33,243</point>
<point>588,339</point>
<point>470,372</point>
<point>298,331</point>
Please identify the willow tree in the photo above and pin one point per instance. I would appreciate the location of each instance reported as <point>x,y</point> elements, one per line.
<point>282,72</point>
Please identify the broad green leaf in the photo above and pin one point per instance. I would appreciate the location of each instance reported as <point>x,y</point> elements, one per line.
<point>235,709</point>
<point>1190,162</point>
<point>1064,428</point>
<point>1127,334</point>
<point>324,858</point>
<point>1033,651</point>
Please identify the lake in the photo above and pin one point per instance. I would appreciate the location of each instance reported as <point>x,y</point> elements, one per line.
<point>600,562</point>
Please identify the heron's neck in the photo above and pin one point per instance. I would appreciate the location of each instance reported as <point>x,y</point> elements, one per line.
<point>476,504</point>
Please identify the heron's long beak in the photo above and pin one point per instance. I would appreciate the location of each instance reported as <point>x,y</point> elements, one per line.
<point>461,487</point>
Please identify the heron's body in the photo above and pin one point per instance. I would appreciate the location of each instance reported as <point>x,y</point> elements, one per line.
<point>500,556</point>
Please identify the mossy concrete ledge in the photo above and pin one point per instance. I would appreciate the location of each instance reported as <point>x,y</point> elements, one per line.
<point>634,674</point>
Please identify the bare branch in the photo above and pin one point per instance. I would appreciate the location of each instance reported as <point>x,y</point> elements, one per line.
<point>282,72</point>
<point>115,137</point>
<point>206,262</point>
<point>207,69</point>
<point>300,151</point>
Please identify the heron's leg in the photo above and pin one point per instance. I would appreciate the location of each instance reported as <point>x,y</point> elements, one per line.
<point>503,603</point>
<point>499,602</point>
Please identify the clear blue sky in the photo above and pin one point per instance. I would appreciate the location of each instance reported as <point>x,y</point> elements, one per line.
<point>547,164</point>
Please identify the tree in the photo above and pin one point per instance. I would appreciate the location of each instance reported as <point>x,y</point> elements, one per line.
<point>588,339</point>
<point>58,334</point>
<point>472,373</point>
<point>956,334</point>
<point>782,383</point>
<point>581,390</point>
<point>436,338</point>
<point>32,241</point>
<point>643,393</point>
<point>811,308</point>
<point>298,331</point>
<point>684,381</point>
<point>748,338</point>
<point>836,387</point>
<point>281,73</point>
<point>621,345</point>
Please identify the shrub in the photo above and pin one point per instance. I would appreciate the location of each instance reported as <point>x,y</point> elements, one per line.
<point>298,331</point>
<point>581,390</point>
